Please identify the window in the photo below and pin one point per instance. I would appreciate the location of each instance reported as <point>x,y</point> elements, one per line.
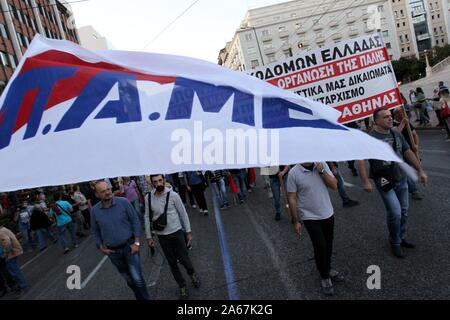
<point>251,50</point>
<point>403,49</point>
<point>435,31</point>
<point>4,58</point>
<point>438,16</point>
<point>19,38</point>
<point>441,29</point>
<point>3,31</point>
<point>401,38</point>
<point>407,49</point>
<point>287,53</point>
<point>271,57</point>
<point>398,25</point>
<point>265,33</point>
<point>293,15</point>
<point>404,24</point>
<point>385,33</point>
<point>396,14</point>
<point>437,42</point>
<point>255,63</point>
<point>432,17</point>
<point>282,28</point>
<point>388,45</point>
<point>12,60</point>
<point>442,40</point>
<point>406,38</point>
<point>401,12</point>
<point>380,8</point>
<point>248,37</point>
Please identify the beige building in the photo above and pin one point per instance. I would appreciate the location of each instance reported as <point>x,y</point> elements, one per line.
<point>92,40</point>
<point>274,32</point>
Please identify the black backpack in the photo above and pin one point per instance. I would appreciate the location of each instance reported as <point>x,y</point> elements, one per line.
<point>384,176</point>
<point>161,222</point>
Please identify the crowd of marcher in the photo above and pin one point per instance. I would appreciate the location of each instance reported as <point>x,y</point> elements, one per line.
<point>119,211</point>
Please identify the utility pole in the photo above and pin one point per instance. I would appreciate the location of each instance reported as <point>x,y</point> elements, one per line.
<point>259,48</point>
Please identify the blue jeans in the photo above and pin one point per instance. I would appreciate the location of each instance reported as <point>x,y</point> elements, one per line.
<point>26,236</point>
<point>62,234</point>
<point>396,203</point>
<point>41,235</point>
<point>129,267</point>
<point>220,192</point>
<point>412,186</point>
<point>14,270</point>
<point>276,192</point>
<point>341,187</point>
<point>239,180</point>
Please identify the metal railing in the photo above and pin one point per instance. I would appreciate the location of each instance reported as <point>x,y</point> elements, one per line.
<point>441,65</point>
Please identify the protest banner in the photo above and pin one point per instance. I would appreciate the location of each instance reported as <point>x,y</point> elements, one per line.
<point>354,76</point>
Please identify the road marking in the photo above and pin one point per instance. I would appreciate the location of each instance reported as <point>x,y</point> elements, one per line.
<point>28,262</point>
<point>92,274</point>
<point>233,293</point>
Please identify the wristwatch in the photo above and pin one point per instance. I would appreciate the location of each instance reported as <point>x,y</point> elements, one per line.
<point>137,243</point>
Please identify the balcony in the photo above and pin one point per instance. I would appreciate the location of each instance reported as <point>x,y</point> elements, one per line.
<point>336,36</point>
<point>283,34</point>
<point>300,30</point>
<point>269,50</point>
<point>353,32</point>
<point>369,30</point>
<point>422,37</point>
<point>286,45</point>
<point>334,23</point>
<point>320,39</point>
<point>365,16</point>
<point>266,38</point>
<point>317,27</point>
<point>350,19</point>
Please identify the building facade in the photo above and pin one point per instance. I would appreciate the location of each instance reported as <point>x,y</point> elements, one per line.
<point>92,40</point>
<point>271,33</point>
<point>20,20</point>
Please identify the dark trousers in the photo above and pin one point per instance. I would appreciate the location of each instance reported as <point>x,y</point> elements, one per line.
<point>321,234</point>
<point>183,190</point>
<point>199,194</point>
<point>174,248</point>
<point>6,279</point>
<point>87,218</point>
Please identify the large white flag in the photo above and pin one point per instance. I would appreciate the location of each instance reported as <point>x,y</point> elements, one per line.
<point>71,115</point>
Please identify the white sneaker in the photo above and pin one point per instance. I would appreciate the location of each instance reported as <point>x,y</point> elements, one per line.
<point>194,206</point>
<point>201,210</point>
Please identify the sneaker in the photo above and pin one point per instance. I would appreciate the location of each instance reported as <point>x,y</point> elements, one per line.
<point>336,276</point>
<point>42,249</point>
<point>228,205</point>
<point>249,190</point>
<point>416,196</point>
<point>194,206</point>
<point>189,247</point>
<point>66,250</point>
<point>241,201</point>
<point>222,207</point>
<point>76,246</point>
<point>397,252</point>
<point>183,293</point>
<point>327,287</point>
<point>277,217</point>
<point>195,280</point>
<point>201,210</point>
<point>350,203</point>
<point>406,244</point>
<point>205,212</point>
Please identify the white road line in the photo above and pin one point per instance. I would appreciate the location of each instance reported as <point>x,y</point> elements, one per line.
<point>28,262</point>
<point>92,274</point>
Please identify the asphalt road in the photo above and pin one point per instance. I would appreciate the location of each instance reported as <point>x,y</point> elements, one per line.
<point>243,253</point>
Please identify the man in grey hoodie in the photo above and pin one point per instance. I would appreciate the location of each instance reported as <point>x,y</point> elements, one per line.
<point>163,200</point>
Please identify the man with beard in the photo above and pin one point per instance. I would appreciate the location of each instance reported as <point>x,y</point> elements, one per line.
<point>166,216</point>
<point>117,230</point>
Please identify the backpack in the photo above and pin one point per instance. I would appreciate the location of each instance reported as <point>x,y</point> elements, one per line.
<point>384,176</point>
<point>161,222</point>
<point>57,209</point>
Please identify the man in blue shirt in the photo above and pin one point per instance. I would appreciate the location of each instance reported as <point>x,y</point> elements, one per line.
<point>117,230</point>
<point>61,211</point>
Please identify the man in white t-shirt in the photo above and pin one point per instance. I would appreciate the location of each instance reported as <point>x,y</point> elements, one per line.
<point>310,202</point>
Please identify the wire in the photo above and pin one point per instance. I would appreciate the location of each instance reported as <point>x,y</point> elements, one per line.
<point>170,24</point>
